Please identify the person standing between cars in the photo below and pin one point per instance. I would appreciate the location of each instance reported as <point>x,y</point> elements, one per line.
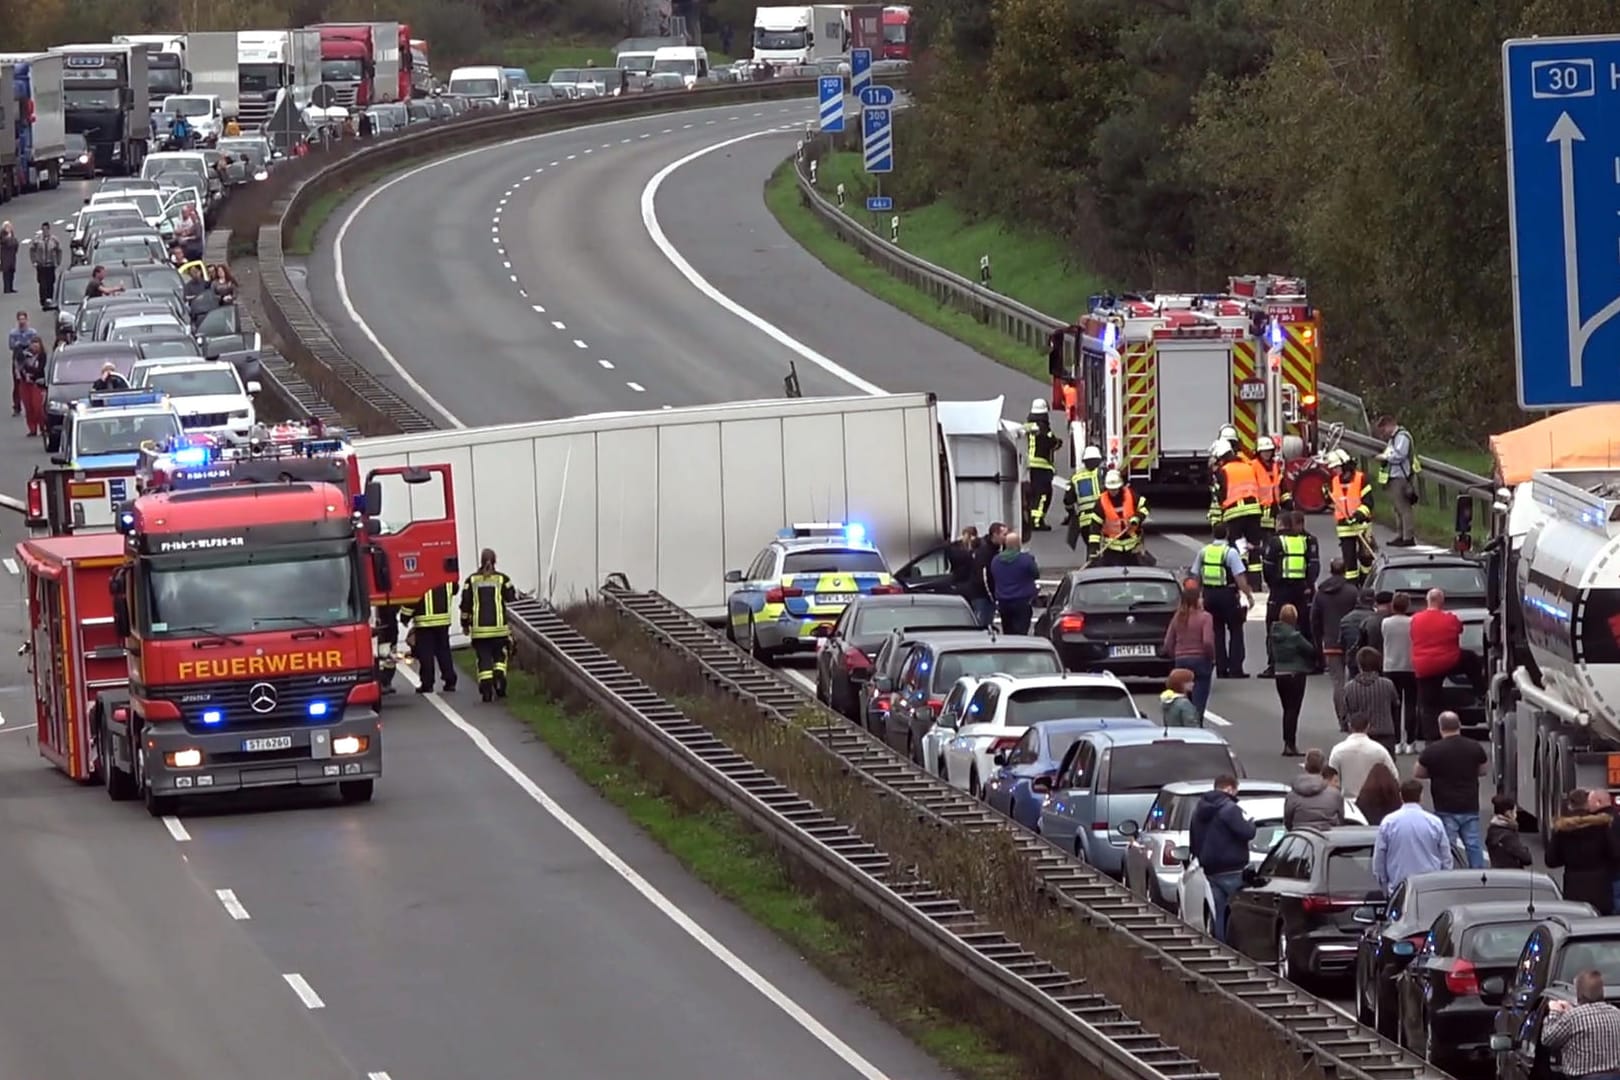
<point>1583,842</point>
<point>1396,634</point>
<point>232,128</point>
<point>1295,658</point>
<point>1356,755</point>
<point>1042,448</point>
<point>484,600</point>
<point>189,235</point>
<point>1371,696</point>
<point>33,389</point>
<point>429,617</point>
<point>1268,473</point>
<point>960,556</point>
<point>1380,794</point>
<point>98,285</point>
<point>1398,466</point>
<point>1219,839</point>
<point>1436,653</point>
<point>1352,515</point>
<point>1453,765</point>
<point>45,253</point>
<point>1189,642</point>
<point>1227,596</point>
<point>17,342</point>
<point>180,132</point>
<point>1352,629</point>
<point>1013,574</point>
<point>1335,598</point>
<point>1291,564</point>
<point>984,555</point>
<point>9,246</point>
<point>1585,1035</point>
<point>1410,841</point>
<point>1504,847</point>
<point>1311,801</point>
<point>1372,631</point>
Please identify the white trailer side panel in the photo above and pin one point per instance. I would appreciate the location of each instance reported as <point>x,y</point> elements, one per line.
<point>675,498</point>
<point>1195,394</point>
<point>50,108</point>
<point>211,60</point>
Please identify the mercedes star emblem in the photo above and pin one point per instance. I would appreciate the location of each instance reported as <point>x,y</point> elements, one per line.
<point>1130,618</point>
<point>261,697</point>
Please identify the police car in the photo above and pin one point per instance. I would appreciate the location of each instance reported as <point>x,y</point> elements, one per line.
<point>798,586</point>
<point>102,444</point>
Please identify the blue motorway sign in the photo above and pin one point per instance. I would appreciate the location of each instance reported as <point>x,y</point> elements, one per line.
<point>881,96</point>
<point>879,204</point>
<point>1563,143</point>
<point>831,93</point>
<point>860,71</point>
<point>877,139</point>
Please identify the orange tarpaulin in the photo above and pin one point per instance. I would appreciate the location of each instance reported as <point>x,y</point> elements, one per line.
<point>1586,438</point>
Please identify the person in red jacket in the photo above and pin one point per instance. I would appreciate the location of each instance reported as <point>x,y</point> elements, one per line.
<point>1436,654</point>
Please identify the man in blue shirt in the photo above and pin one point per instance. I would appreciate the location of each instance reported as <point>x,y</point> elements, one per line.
<point>1410,841</point>
<point>17,341</point>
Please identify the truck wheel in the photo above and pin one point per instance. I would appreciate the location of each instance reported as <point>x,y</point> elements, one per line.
<point>156,805</point>
<point>356,791</point>
<point>120,785</point>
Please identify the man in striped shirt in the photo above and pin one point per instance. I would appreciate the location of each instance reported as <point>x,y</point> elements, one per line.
<point>1374,697</point>
<point>1586,1036</point>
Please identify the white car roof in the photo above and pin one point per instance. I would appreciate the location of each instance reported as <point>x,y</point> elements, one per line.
<point>1270,808</point>
<point>1027,682</point>
<point>174,367</point>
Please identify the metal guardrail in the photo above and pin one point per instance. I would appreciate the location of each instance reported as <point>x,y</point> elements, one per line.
<point>1087,1023</point>
<point>1027,326</point>
<point>1320,1032</point>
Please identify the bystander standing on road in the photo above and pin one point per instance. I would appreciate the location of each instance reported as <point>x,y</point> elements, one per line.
<point>17,342</point>
<point>1335,598</point>
<point>1436,653</point>
<point>1372,631</point>
<point>1190,644</point>
<point>1453,765</point>
<point>1585,1035</point>
<point>1396,634</point>
<point>1312,802</point>
<point>1397,465</point>
<point>962,556</point>
<point>1014,574</point>
<point>1371,696</point>
<point>10,245</point>
<point>1380,794</point>
<point>45,254</point>
<point>1175,706</point>
<point>1505,849</point>
<point>1355,755</point>
<point>1410,841</point>
<point>1293,659</point>
<point>33,386</point>
<point>1219,839</point>
<point>1583,843</point>
<point>983,555</point>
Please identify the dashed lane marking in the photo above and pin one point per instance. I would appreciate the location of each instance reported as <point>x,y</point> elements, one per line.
<point>637,387</point>
<point>176,830</point>
<point>607,365</point>
<point>540,309</point>
<point>11,566</point>
<point>558,324</point>
<point>578,344</point>
<point>378,1076</point>
<point>306,993</point>
<point>227,897</point>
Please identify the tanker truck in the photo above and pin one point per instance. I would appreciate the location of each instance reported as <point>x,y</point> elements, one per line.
<point>1553,640</point>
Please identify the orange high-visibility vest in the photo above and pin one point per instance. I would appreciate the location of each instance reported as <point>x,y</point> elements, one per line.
<point>1268,481</point>
<point>1347,497</point>
<point>1115,518</point>
<point>1241,485</point>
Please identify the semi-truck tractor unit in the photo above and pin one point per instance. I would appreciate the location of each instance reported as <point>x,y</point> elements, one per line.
<point>106,102</point>
<point>421,73</point>
<point>35,112</point>
<point>165,65</point>
<point>356,65</point>
<point>277,72</point>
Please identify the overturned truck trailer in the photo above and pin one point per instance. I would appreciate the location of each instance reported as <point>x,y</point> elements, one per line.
<point>674,498</point>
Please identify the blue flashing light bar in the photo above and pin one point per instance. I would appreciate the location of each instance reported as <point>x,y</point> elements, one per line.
<point>1111,335</point>
<point>191,456</point>
<point>114,399</point>
<point>1275,334</point>
<point>213,716</point>
<point>852,532</point>
<point>317,708</point>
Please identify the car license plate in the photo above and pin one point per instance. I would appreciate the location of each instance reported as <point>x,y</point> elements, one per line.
<point>272,742</point>
<point>1131,650</point>
<point>824,599</point>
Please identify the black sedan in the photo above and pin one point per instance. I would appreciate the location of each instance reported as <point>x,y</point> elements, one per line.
<point>1462,579</point>
<point>1394,936</point>
<point>78,162</point>
<point>1298,909</point>
<point>68,377</point>
<point>844,657</point>
<point>1112,618</point>
<point>1450,991</point>
<point>1556,952</point>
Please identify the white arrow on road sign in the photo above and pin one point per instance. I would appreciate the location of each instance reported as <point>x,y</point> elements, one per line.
<point>1566,134</point>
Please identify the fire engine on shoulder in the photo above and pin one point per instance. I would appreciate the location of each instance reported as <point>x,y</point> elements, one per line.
<point>1155,376</point>
<point>220,638</point>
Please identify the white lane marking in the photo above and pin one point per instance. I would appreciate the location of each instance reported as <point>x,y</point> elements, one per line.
<point>176,830</point>
<point>1216,718</point>
<point>666,131</point>
<point>540,308</point>
<point>513,277</point>
<point>645,135</point>
<point>685,126</point>
<point>500,250</point>
<point>578,344</point>
<point>637,387</point>
<point>607,146</point>
<point>649,219</point>
<point>571,157</point>
<point>799,677</point>
<point>497,219</point>
<point>663,904</point>
<point>524,293</point>
<point>11,566</point>
<point>232,904</point>
<point>306,993</point>
<point>378,1076</point>
<point>360,207</point>
<point>559,325</point>
<point>554,164</point>
<point>587,149</point>
<point>623,141</point>
<point>506,263</point>
<point>707,123</point>
<point>606,364</point>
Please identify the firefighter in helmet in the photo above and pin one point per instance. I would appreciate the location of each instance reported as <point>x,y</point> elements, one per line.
<point>1235,493</point>
<point>1118,520</point>
<point>1352,515</point>
<point>1268,474</point>
<point>1042,449</point>
<point>1085,486</point>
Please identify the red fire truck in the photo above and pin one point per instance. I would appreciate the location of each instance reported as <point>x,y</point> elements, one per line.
<point>220,640</point>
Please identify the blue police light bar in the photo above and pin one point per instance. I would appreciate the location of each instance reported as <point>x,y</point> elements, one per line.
<point>855,533</point>
<point>213,716</point>
<point>1275,335</point>
<point>117,399</point>
<point>317,708</point>
<point>1110,335</point>
<point>191,456</point>
<point>126,521</point>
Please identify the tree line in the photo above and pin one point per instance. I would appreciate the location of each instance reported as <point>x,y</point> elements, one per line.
<point>1170,143</point>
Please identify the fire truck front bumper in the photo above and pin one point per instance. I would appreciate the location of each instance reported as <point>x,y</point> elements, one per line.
<point>186,762</point>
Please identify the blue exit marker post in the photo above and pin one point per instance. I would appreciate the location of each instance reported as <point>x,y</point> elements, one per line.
<point>1563,151</point>
<point>831,89</point>
<point>877,138</point>
<point>879,204</point>
<point>860,72</point>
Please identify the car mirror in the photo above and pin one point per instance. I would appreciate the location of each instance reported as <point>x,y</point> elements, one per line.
<point>1366,914</point>
<point>1501,1044</point>
<point>1493,986</point>
<point>924,713</point>
<point>1181,853</point>
<point>1253,878</point>
<point>253,386</point>
<point>1129,827</point>
<point>733,577</point>
<point>1040,785</point>
<point>883,684</point>
<point>60,459</point>
<point>1001,757</point>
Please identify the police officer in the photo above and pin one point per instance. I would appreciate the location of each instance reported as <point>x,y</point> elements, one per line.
<point>1235,493</point>
<point>1352,515</point>
<point>1293,562</point>
<point>430,622</point>
<point>1227,598</point>
<point>1043,448</point>
<point>1085,486</point>
<point>385,631</point>
<point>1117,523</point>
<point>483,618</point>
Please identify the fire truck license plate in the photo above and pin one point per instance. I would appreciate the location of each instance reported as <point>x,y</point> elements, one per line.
<point>1251,390</point>
<point>273,742</point>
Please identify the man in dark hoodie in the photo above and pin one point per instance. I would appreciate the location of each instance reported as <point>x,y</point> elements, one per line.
<point>1335,598</point>
<point>984,553</point>
<point>1312,802</point>
<point>1013,574</point>
<point>1219,840</point>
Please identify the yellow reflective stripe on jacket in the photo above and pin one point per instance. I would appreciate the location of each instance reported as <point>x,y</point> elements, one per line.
<point>1293,560</point>
<point>434,608</point>
<point>485,605</point>
<point>1036,461</point>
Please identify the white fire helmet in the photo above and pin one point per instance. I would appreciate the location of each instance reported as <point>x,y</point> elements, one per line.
<point>1091,454</point>
<point>1113,481</point>
<point>1265,443</point>
<point>1227,432</point>
<point>1038,406</point>
<point>1220,448</point>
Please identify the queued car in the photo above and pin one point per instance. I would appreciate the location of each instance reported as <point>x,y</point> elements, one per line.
<point>209,396</point>
<point>128,246</point>
<point>1001,708</point>
<point>134,277</point>
<point>937,660</point>
<point>798,585</point>
<point>90,215</point>
<point>106,431</point>
<point>1025,773</point>
<point>1462,579</point>
<point>1152,867</point>
<point>1556,951</point>
<point>68,377</point>
<point>1110,777</point>
<point>1113,619</point>
<point>1194,905</point>
<point>78,163</point>
<point>1449,993</point>
<point>122,324</point>
<point>1394,934</point>
<point>88,319</point>
<point>886,665</point>
<point>844,659</point>
<point>164,348</point>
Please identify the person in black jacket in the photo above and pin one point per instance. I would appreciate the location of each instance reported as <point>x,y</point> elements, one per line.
<point>1584,843</point>
<point>1219,840</point>
<point>959,555</point>
<point>983,555</point>
<point>1503,844</point>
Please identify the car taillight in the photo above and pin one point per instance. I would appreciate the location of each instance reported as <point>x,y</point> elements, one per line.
<point>1006,742</point>
<point>1100,826</point>
<point>1319,905</point>
<point>779,594</point>
<point>854,658</point>
<point>937,704</point>
<point>1462,978</point>
<point>1073,623</point>
<point>36,499</point>
<point>886,590</point>
<point>1167,856</point>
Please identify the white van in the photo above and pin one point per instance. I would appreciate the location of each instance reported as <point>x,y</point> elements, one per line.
<point>202,111</point>
<point>690,62</point>
<point>482,84</point>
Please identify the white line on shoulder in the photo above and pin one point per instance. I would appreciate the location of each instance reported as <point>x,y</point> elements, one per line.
<point>176,830</point>
<point>227,897</point>
<point>11,566</point>
<point>306,993</point>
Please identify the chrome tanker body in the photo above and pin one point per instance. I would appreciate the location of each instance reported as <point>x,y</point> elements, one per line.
<point>1555,639</point>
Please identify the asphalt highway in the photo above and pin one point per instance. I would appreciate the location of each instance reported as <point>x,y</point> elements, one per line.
<point>488,914</point>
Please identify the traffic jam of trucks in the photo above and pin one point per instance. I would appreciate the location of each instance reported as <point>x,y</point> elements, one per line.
<point>790,37</point>
<point>31,100</point>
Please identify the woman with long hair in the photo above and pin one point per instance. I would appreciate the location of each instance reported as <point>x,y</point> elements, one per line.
<point>1189,643</point>
<point>1293,658</point>
<point>1380,794</point>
